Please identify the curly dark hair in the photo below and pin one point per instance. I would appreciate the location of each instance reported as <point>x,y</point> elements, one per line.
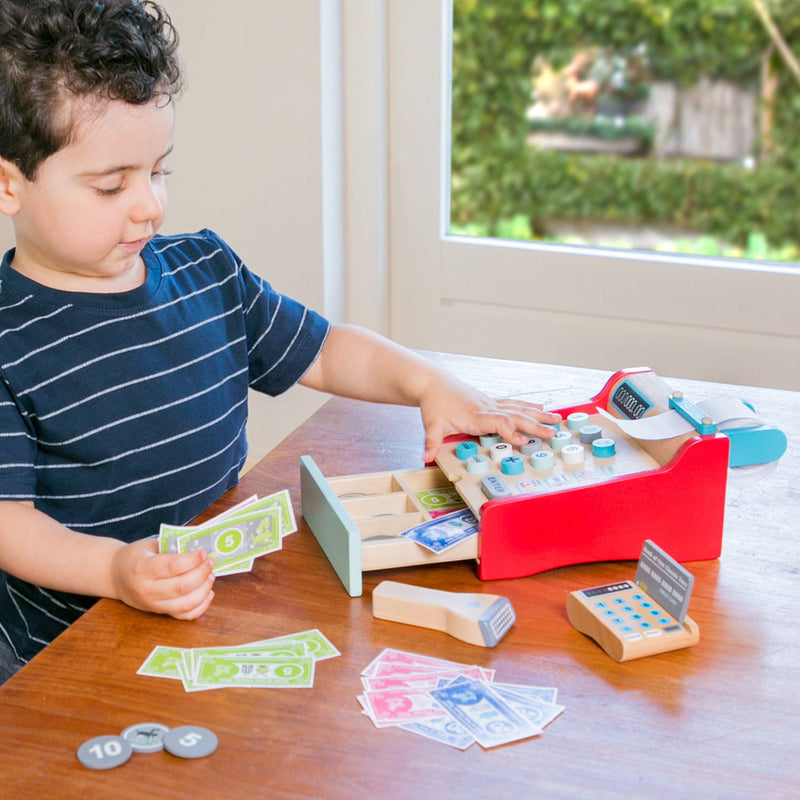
<point>51,49</point>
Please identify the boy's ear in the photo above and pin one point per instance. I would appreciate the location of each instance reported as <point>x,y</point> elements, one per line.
<point>10,185</point>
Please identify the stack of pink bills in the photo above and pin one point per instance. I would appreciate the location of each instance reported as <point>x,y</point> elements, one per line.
<point>456,704</point>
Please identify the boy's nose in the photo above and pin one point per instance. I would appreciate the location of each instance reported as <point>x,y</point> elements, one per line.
<point>149,204</point>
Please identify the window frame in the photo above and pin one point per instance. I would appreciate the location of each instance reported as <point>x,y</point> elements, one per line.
<point>713,319</point>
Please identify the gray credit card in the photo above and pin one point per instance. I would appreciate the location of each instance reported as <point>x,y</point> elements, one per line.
<point>665,580</point>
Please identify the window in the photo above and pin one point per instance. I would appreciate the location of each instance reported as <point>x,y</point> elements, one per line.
<point>683,315</point>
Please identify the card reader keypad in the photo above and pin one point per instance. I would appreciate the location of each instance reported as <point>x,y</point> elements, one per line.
<point>629,612</point>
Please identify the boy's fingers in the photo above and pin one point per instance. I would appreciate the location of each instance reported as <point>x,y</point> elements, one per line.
<point>191,606</point>
<point>178,593</point>
<point>178,564</point>
<point>171,574</point>
<point>434,436</point>
<point>515,428</point>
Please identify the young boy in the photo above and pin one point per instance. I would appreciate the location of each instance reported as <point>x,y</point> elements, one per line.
<point>126,356</point>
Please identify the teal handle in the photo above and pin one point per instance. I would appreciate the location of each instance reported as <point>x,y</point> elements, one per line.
<point>758,445</point>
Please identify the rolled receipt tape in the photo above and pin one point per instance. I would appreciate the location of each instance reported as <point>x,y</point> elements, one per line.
<point>727,412</point>
<point>754,445</point>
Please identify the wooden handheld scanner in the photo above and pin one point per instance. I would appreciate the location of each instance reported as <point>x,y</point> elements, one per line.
<point>480,619</point>
<point>628,464</point>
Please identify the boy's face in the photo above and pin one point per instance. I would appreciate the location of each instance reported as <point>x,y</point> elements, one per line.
<point>94,205</point>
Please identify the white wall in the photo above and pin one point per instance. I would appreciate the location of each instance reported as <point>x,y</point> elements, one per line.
<point>247,142</point>
<point>247,159</point>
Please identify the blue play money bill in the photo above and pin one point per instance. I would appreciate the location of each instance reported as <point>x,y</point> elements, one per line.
<point>444,532</point>
<point>483,713</point>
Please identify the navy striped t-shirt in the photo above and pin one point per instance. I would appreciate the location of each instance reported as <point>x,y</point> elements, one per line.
<point>122,411</point>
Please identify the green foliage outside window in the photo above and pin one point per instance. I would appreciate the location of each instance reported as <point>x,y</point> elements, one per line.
<point>497,176</point>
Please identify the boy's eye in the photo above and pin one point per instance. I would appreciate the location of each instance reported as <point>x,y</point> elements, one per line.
<point>114,190</point>
<point>108,192</point>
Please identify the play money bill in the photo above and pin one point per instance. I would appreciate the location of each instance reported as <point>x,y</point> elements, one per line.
<point>280,500</point>
<point>443,532</point>
<point>192,658</point>
<point>316,644</point>
<point>162,662</point>
<point>262,672</point>
<point>169,534</point>
<point>442,729</point>
<point>484,714</point>
<point>234,540</point>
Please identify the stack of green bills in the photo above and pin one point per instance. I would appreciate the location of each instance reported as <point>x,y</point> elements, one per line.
<point>235,538</point>
<point>283,662</point>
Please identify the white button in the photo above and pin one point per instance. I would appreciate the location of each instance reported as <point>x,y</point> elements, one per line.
<point>573,454</point>
<point>501,450</point>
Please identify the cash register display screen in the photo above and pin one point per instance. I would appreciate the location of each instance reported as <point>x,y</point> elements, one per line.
<point>629,401</point>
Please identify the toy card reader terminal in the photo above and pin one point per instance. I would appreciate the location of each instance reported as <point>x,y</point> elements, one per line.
<point>643,617</point>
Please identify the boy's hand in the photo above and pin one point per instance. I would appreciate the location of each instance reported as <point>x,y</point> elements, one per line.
<point>450,406</point>
<point>179,585</point>
<point>357,363</point>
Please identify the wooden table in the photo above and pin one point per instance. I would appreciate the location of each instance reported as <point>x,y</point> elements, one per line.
<point>716,721</point>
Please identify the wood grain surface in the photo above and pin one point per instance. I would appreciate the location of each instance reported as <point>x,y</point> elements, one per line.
<point>715,721</point>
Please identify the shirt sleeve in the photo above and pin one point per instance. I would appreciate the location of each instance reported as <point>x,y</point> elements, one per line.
<point>284,337</point>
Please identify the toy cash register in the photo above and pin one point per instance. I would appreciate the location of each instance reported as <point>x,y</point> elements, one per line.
<point>635,461</point>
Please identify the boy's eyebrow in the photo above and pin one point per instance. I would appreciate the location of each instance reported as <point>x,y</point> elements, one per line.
<point>120,167</point>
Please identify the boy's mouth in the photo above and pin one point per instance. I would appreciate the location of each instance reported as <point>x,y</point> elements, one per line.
<point>135,246</point>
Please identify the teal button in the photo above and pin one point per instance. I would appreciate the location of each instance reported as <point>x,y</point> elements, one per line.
<point>513,465</point>
<point>604,448</point>
<point>466,449</point>
<point>489,439</point>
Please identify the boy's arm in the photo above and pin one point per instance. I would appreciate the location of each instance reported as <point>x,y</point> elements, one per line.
<point>357,363</point>
<point>39,550</point>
